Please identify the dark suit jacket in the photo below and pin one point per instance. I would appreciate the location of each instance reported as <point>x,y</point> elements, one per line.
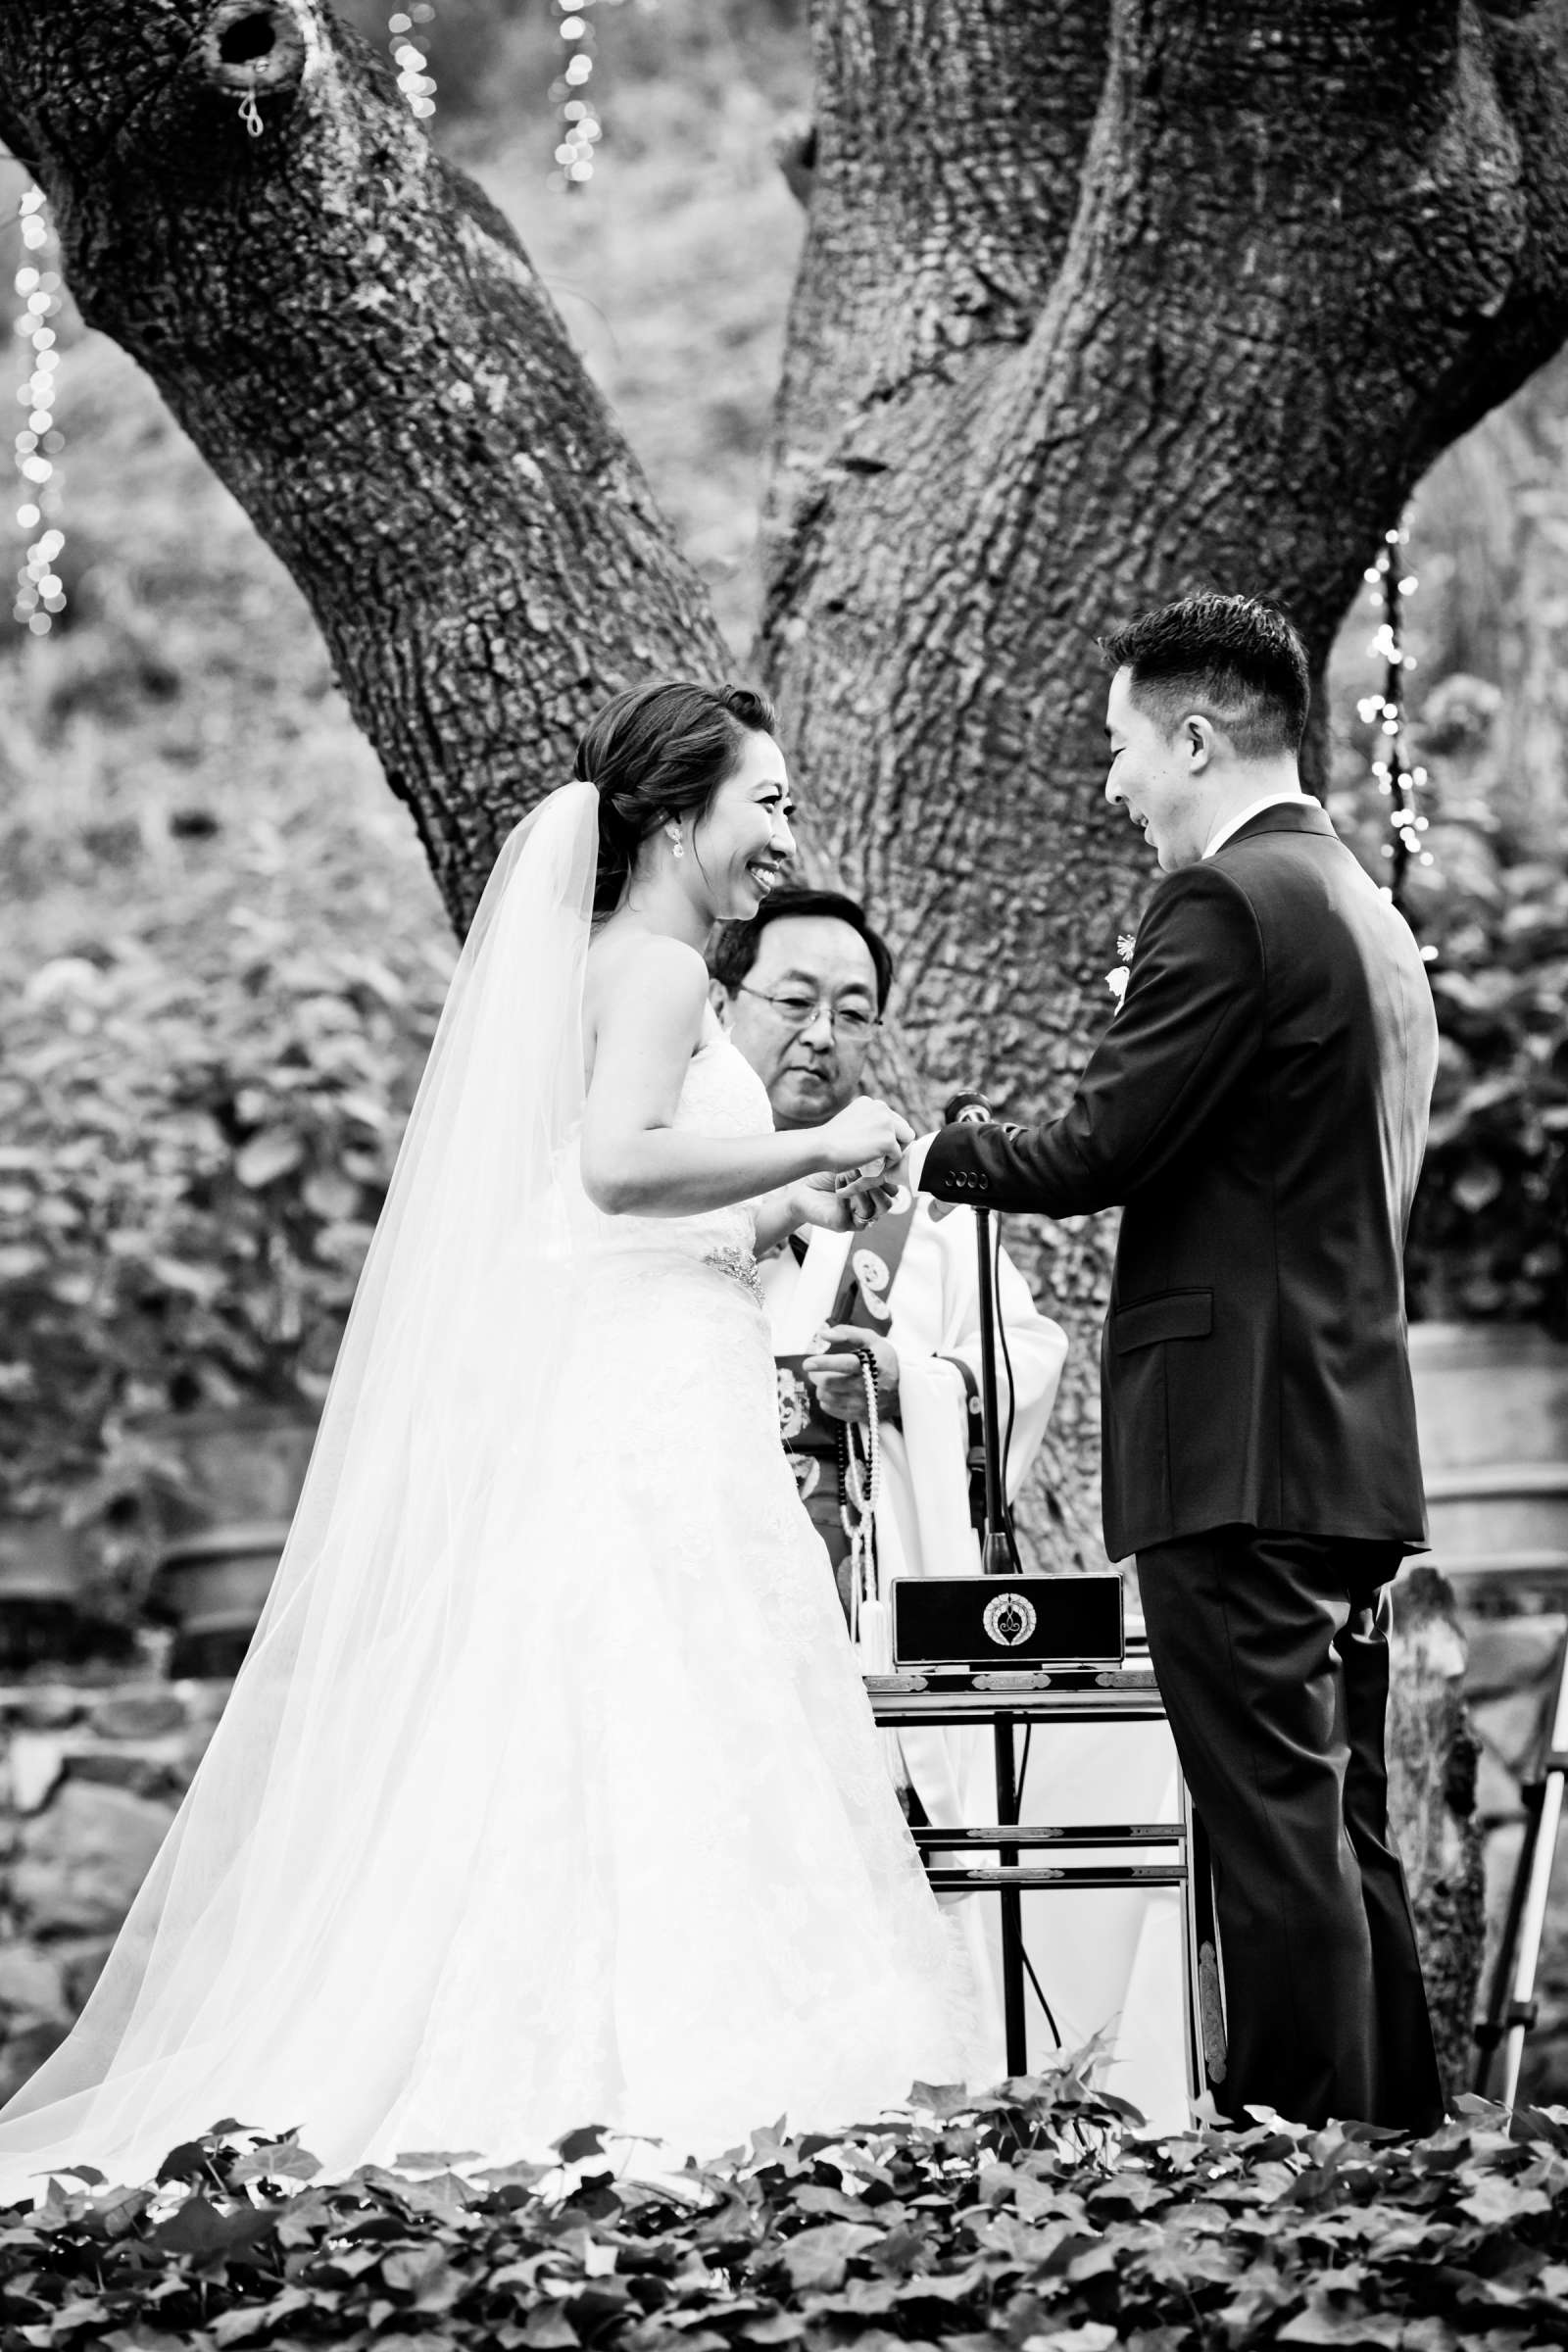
<point>1260,1105</point>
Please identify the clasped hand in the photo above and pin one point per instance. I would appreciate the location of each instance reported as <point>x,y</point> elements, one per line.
<point>837,1381</point>
<point>863,1163</point>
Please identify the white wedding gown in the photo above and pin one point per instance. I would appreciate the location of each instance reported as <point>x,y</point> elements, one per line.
<point>597,1830</point>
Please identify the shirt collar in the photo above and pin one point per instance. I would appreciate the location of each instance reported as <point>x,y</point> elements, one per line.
<point>1234,824</point>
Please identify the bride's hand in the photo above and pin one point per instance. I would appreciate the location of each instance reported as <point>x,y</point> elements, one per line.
<point>841,1205</point>
<point>864,1132</point>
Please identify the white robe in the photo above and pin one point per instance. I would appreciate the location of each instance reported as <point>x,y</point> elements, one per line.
<point>1109,1961</point>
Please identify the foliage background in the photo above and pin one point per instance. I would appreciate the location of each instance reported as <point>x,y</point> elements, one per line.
<point>220,954</point>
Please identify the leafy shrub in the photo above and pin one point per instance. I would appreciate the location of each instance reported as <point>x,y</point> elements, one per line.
<point>1489,1234</point>
<point>197,1125</point>
<point>1033,2216</point>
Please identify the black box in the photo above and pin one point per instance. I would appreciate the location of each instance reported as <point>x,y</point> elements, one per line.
<point>1023,1620</point>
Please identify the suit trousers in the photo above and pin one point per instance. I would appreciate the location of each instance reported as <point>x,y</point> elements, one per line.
<point>1272,1656</point>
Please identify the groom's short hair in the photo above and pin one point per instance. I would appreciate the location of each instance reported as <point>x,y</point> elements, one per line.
<point>1235,659</point>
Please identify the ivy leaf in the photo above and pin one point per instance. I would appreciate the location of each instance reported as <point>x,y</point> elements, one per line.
<point>1497,2199</point>
<point>1092,2335</point>
<point>251,2319</point>
<point>412,2269</point>
<point>82,2311</point>
<point>277,2160</point>
<point>520,2175</point>
<point>952,2287</point>
<point>779,2328</point>
<point>547,2328</point>
<point>815,2199</point>
<point>1136,2192</point>
<point>199,2227</point>
<point>1094,2263</point>
<point>900,2250</point>
<point>192,2160</point>
<point>1319,2324</point>
<point>817,2259</point>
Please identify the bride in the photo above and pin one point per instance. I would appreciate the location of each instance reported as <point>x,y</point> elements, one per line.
<point>548,1792</point>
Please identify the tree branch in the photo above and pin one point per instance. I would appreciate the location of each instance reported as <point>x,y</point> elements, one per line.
<point>355,339</point>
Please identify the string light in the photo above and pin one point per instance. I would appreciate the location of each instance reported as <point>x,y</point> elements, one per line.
<point>416,82</point>
<point>580,126</point>
<point>1397,779</point>
<point>41,591</point>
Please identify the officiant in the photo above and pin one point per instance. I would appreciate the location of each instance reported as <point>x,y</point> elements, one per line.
<point>800,989</point>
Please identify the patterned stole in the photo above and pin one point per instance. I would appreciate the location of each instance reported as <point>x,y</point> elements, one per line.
<point>811,1437</point>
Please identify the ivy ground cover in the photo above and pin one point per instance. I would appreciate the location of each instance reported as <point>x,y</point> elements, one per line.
<point>1042,2217</point>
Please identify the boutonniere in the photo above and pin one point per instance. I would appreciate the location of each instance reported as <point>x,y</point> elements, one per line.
<point>1118,980</point>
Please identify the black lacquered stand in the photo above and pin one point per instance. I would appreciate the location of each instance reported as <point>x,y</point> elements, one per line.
<point>1005,1698</point>
<point>990,1854</point>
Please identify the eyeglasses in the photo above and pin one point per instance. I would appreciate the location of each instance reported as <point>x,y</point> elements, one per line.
<point>798,1011</point>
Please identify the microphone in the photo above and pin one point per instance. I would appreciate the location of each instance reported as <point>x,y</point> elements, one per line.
<point>967,1110</point>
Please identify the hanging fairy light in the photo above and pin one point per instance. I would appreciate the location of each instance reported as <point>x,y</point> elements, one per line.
<point>415,81</point>
<point>41,591</point>
<point>1398,780</point>
<point>580,126</point>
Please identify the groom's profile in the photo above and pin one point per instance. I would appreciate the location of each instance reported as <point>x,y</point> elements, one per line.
<point>1257,1106</point>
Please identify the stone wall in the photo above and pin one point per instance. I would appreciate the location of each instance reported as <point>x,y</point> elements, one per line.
<point>91,1779</point>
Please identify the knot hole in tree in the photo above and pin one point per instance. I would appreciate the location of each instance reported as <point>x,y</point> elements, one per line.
<point>247,38</point>
<point>258,45</point>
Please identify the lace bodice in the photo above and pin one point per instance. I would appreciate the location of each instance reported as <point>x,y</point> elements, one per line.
<point>721,1095</point>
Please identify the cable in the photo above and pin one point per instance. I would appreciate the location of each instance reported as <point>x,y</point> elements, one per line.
<point>1013,1394</point>
<point>1029,1972</point>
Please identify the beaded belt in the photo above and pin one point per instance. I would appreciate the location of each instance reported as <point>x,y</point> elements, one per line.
<point>742,1265</point>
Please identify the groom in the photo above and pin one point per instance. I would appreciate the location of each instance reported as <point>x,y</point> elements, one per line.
<point>1259,1105</point>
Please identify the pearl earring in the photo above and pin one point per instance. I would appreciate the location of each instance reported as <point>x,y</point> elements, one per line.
<point>672,836</point>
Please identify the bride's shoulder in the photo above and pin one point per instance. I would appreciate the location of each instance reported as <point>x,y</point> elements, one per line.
<point>646,968</point>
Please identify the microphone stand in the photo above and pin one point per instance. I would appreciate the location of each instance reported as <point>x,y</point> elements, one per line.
<point>998,1552</point>
<point>998,1556</point>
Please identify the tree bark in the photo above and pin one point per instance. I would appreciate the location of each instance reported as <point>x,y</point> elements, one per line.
<point>354,338</point>
<point>1097,304</point>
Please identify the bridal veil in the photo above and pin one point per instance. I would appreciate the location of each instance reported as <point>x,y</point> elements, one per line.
<point>238,1945</point>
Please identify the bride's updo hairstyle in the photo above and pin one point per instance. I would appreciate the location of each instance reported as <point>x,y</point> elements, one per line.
<point>660,752</point>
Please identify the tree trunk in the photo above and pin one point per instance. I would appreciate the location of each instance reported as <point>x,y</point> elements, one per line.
<point>1098,303</point>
